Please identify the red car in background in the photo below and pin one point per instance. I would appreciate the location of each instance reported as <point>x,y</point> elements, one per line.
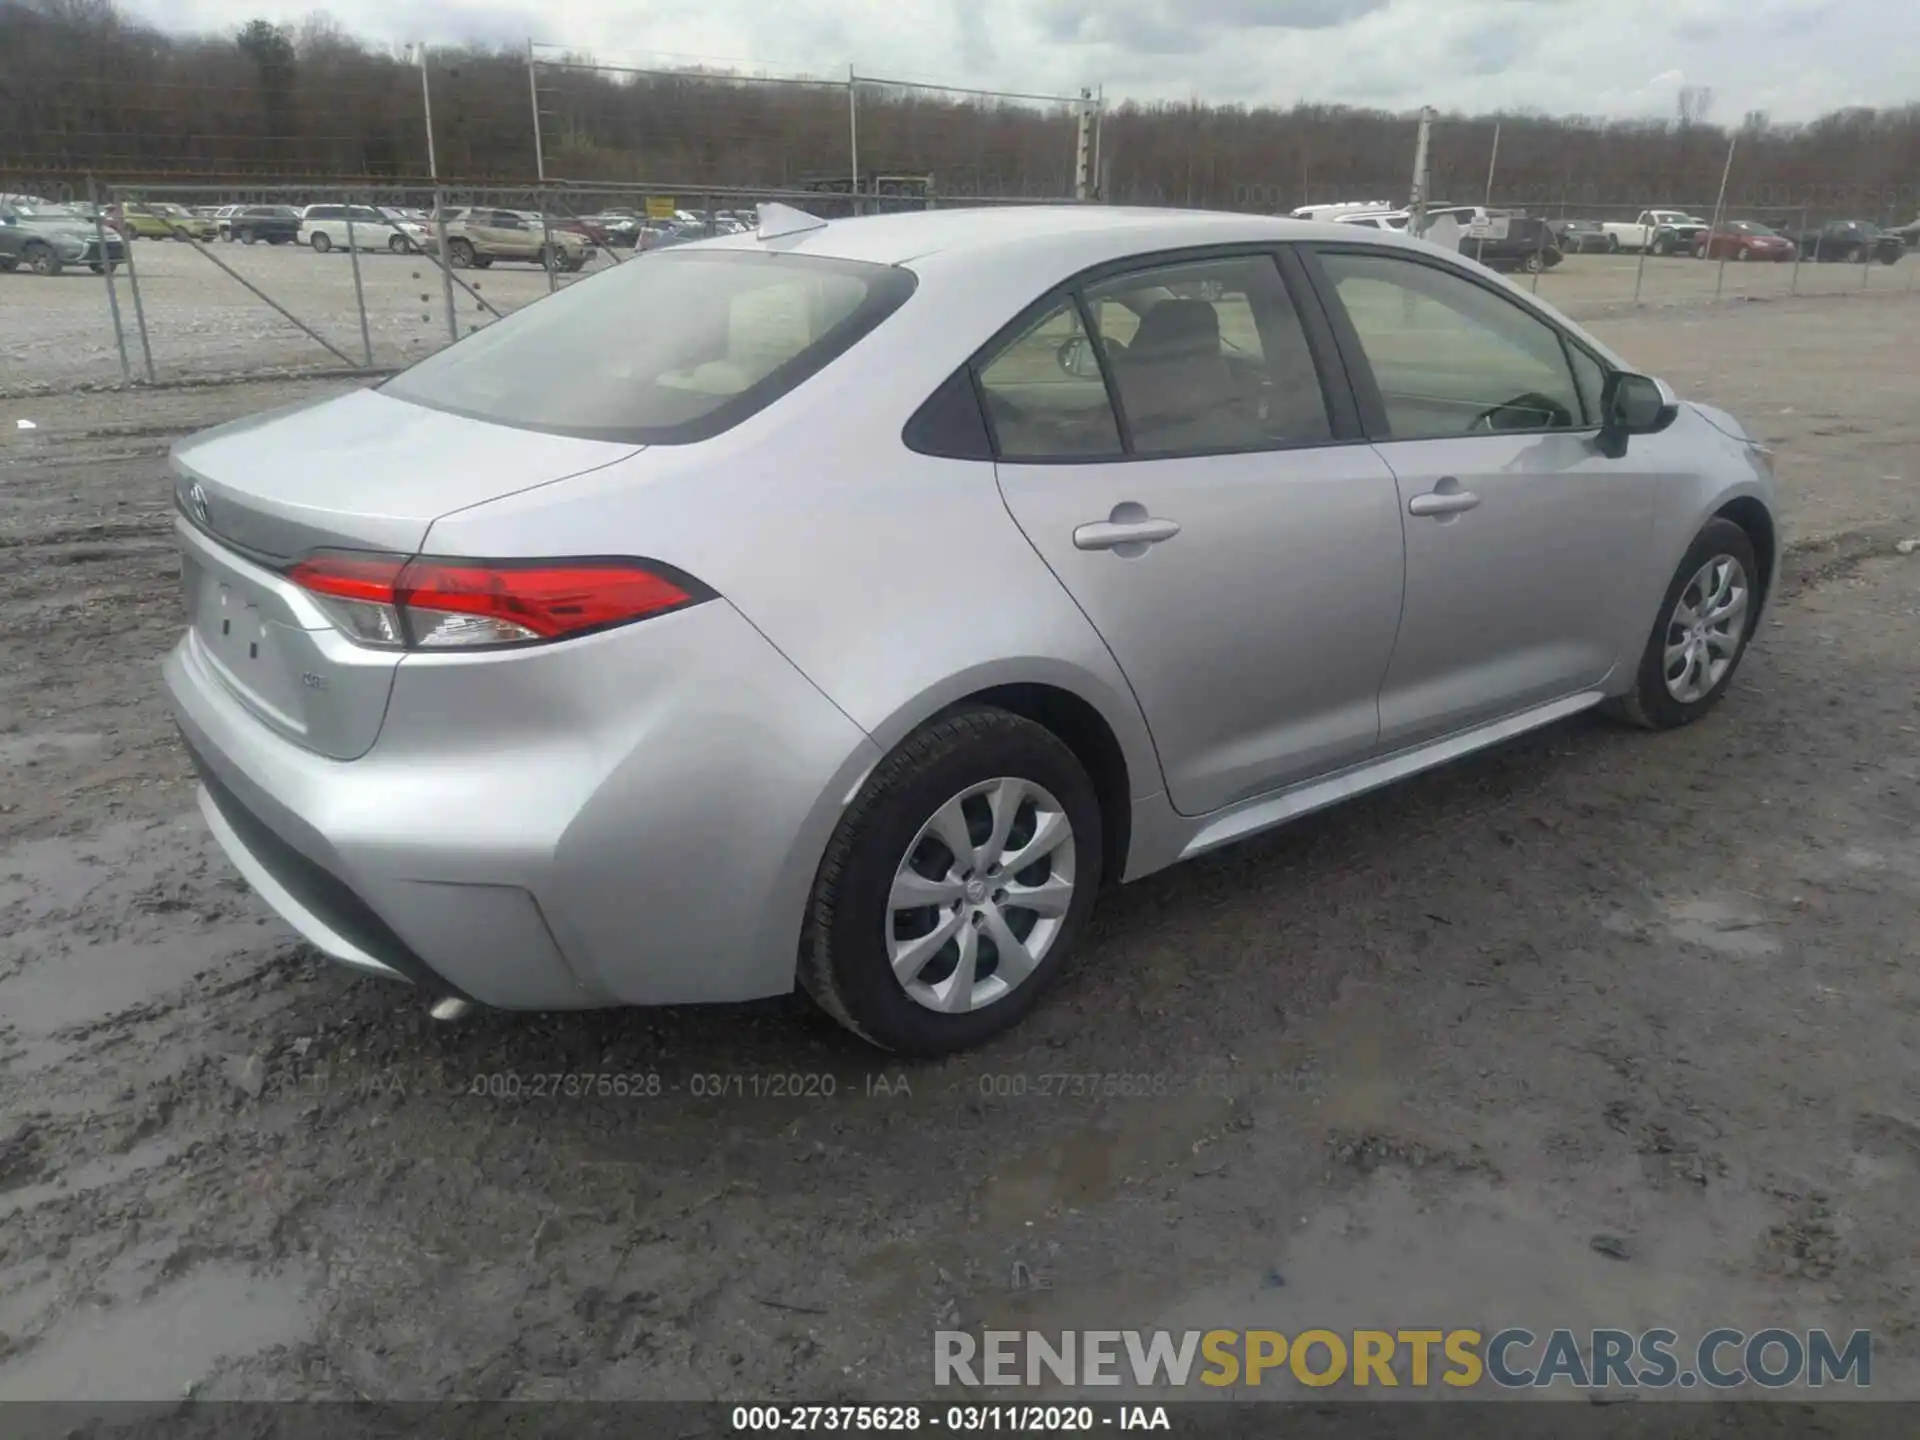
<point>1743,240</point>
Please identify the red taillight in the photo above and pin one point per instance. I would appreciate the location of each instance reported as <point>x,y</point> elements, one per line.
<point>443,603</point>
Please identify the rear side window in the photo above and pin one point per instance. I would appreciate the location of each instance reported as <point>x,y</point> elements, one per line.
<point>664,350</point>
<point>1046,398</point>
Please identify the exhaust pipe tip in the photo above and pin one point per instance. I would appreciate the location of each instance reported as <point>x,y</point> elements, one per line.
<point>450,1007</point>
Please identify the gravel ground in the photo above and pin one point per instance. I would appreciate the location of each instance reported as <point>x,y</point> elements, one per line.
<point>202,322</point>
<point>1601,1028</point>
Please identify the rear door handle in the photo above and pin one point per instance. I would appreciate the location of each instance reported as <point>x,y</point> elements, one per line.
<point>1121,532</point>
<point>1446,498</point>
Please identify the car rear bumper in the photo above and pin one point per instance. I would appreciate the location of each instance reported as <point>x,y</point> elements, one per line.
<point>633,817</point>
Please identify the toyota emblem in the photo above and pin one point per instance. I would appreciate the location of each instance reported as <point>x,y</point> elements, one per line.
<point>197,505</point>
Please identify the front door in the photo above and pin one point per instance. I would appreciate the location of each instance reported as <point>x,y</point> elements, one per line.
<point>1238,551</point>
<point>1523,541</point>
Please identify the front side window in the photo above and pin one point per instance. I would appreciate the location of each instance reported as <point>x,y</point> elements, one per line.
<point>1045,396</point>
<point>1451,357</point>
<point>1209,355</point>
<point>668,349</point>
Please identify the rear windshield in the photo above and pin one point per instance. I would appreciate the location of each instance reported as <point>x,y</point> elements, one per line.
<point>663,349</point>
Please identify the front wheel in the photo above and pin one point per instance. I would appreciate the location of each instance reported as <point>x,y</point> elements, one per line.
<point>1533,264</point>
<point>321,244</point>
<point>955,886</point>
<point>1613,244</point>
<point>106,268</point>
<point>398,245</point>
<point>460,254</point>
<point>42,261</point>
<point>247,237</point>
<point>1706,619</point>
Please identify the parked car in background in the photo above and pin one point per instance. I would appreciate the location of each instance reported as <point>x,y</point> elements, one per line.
<point>1333,210</point>
<point>1376,219</point>
<point>1519,242</point>
<point>158,220</point>
<point>535,708</point>
<point>1658,232</point>
<point>479,235</point>
<point>621,227</point>
<point>1854,242</point>
<point>47,238</point>
<point>1743,240</point>
<point>326,227</point>
<point>223,214</point>
<point>587,227</point>
<point>1582,237</point>
<point>249,224</point>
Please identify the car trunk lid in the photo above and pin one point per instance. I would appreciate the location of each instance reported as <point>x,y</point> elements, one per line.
<point>360,472</point>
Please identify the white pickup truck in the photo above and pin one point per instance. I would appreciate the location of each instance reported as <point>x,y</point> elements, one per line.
<point>1660,232</point>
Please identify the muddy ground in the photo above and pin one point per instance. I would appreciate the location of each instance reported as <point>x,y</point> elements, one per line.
<point>1405,1061</point>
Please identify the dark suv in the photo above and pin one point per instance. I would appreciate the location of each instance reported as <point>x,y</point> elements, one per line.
<point>1529,244</point>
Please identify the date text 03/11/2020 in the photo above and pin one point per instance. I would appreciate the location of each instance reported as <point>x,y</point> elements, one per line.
<point>1005,1419</point>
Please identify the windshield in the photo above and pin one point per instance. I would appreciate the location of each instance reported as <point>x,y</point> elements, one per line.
<point>663,350</point>
<point>47,212</point>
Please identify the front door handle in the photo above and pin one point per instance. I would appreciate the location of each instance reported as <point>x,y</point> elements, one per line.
<point>1446,498</point>
<point>1128,530</point>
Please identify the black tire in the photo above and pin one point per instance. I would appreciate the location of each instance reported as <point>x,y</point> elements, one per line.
<point>1650,704</point>
<point>398,245</point>
<point>41,259</point>
<point>1613,244</point>
<point>247,237</point>
<point>1533,264</point>
<point>460,253</point>
<point>321,244</point>
<point>8,264</point>
<point>278,239</point>
<point>844,961</point>
<point>1890,257</point>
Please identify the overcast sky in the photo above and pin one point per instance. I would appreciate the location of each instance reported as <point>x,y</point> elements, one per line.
<point>1792,58</point>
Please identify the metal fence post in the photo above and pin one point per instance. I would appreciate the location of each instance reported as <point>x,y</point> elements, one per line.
<point>1640,270</point>
<point>359,293</point>
<point>853,137</point>
<point>1540,255</point>
<point>106,273</point>
<point>1793,285</point>
<point>445,259</point>
<point>139,309</point>
<point>548,262</point>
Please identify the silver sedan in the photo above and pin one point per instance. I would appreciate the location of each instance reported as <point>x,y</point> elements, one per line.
<point>846,604</point>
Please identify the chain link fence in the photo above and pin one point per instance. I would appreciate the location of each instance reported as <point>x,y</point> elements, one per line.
<point>195,301</point>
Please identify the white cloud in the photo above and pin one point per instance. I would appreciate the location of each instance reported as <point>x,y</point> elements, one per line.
<point>1791,57</point>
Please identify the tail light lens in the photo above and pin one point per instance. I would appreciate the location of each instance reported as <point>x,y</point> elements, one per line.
<point>433,603</point>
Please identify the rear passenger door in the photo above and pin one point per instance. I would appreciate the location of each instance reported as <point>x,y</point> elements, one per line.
<point>1170,443</point>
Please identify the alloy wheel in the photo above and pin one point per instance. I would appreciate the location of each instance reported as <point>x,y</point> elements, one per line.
<point>1706,627</point>
<point>980,895</point>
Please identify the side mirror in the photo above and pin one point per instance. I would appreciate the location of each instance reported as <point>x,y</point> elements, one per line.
<point>1633,405</point>
<point>1076,357</point>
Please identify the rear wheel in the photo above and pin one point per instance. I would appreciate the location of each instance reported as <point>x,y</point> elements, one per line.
<point>8,264</point>
<point>955,886</point>
<point>247,237</point>
<point>1743,253</point>
<point>1533,264</point>
<point>460,253</point>
<point>398,245</point>
<point>1706,619</point>
<point>321,244</point>
<point>1890,257</point>
<point>41,259</point>
<point>106,268</point>
<point>1613,244</point>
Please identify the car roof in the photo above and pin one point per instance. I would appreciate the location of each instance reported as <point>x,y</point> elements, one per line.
<point>987,234</point>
